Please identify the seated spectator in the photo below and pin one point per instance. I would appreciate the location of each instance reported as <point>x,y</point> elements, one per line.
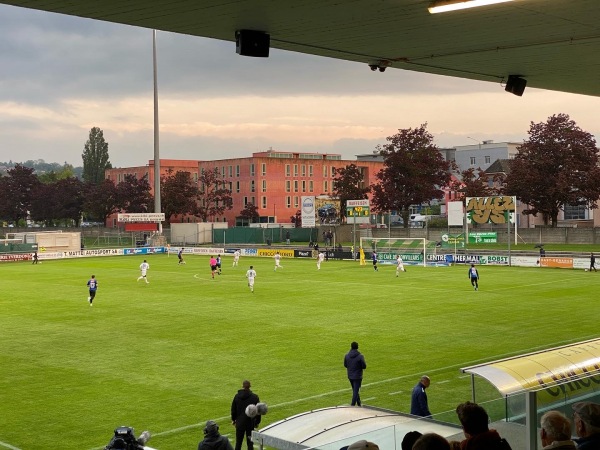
<point>555,431</point>
<point>431,441</point>
<point>361,445</point>
<point>586,418</point>
<point>409,439</point>
<point>213,439</point>
<point>454,445</point>
<point>474,420</point>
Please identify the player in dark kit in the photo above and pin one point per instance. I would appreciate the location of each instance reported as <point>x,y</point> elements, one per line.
<point>93,287</point>
<point>180,256</point>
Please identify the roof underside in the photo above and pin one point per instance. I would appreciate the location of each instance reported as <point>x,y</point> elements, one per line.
<point>554,44</point>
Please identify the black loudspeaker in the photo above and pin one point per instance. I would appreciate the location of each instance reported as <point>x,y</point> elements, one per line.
<point>252,43</point>
<point>515,85</point>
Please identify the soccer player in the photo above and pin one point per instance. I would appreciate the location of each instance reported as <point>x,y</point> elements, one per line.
<point>93,287</point>
<point>213,266</point>
<point>399,265</point>
<point>236,258</point>
<point>320,259</point>
<point>180,256</point>
<point>219,264</point>
<point>277,260</point>
<point>474,277</point>
<point>35,257</point>
<point>251,274</point>
<point>144,271</point>
<point>374,259</point>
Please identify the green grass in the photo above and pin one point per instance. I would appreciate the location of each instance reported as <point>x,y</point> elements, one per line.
<point>170,355</point>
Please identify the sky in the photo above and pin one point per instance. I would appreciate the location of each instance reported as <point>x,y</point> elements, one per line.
<point>60,76</point>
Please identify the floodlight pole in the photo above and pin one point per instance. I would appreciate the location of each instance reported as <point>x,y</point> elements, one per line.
<point>157,205</point>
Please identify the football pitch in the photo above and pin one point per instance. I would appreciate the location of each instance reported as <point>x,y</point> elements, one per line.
<point>170,355</point>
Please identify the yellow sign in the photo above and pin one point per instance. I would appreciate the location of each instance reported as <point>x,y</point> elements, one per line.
<point>271,253</point>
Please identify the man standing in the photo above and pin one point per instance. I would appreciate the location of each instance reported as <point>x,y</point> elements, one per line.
<point>251,274</point>
<point>242,423</point>
<point>219,264</point>
<point>236,258</point>
<point>144,271</point>
<point>277,261</point>
<point>586,417</point>
<point>354,362</point>
<point>35,258</point>
<point>593,262</point>
<point>399,265</point>
<point>93,287</point>
<point>474,277</point>
<point>374,259</point>
<point>320,258</point>
<point>555,431</point>
<point>213,440</point>
<point>180,256</point>
<point>213,266</point>
<point>418,401</point>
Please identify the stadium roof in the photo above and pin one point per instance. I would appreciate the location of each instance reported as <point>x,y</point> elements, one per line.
<point>553,44</point>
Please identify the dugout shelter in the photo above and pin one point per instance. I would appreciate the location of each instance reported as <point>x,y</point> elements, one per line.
<point>534,383</point>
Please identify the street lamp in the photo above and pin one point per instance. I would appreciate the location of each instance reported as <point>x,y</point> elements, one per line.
<point>478,142</point>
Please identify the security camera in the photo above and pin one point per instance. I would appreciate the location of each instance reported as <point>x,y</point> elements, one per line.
<point>382,68</point>
<point>373,67</point>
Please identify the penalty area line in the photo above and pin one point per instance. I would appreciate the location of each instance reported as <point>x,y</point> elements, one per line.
<point>11,447</point>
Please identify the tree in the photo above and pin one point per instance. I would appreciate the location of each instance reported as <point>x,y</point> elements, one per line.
<point>66,171</point>
<point>17,190</point>
<point>95,157</point>
<point>475,183</point>
<point>250,212</point>
<point>214,198</point>
<point>101,200</point>
<point>61,200</point>
<point>557,165</point>
<point>414,172</point>
<point>134,194</point>
<point>178,194</point>
<point>296,219</point>
<point>348,185</point>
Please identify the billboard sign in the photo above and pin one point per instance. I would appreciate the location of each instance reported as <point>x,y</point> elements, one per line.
<point>308,212</point>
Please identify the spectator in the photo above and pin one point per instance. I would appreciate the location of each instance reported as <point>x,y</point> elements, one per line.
<point>409,439</point>
<point>555,431</point>
<point>418,401</point>
<point>474,420</point>
<point>287,237</point>
<point>213,439</point>
<point>431,441</point>
<point>586,418</point>
<point>361,445</point>
<point>241,421</point>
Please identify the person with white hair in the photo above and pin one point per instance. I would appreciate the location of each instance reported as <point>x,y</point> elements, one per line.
<point>586,418</point>
<point>555,431</point>
<point>418,401</point>
<point>243,423</point>
<point>213,440</point>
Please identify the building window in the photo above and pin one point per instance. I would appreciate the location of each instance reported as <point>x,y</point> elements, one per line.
<point>325,186</point>
<point>577,212</point>
<point>264,185</point>
<point>195,177</point>
<point>264,169</point>
<point>295,170</point>
<point>296,201</point>
<point>253,200</point>
<point>252,169</point>
<point>263,201</point>
<point>295,185</point>
<point>472,160</point>
<point>237,170</point>
<point>325,172</point>
<point>332,172</point>
<point>310,171</point>
<point>223,171</point>
<point>310,186</point>
<point>245,201</point>
<point>303,170</point>
<point>287,170</point>
<point>237,187</point>
<point>288,201</point>
<point>487,159</point>
<point>252,187</point>
<point>303,185</point>
<point>230,171</point>
<point>288,186</point>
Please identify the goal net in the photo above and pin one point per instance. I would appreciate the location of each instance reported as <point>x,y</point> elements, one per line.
<point>412,250</point>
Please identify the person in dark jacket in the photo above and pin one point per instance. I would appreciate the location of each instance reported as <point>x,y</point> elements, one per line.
<point>213,439</point>
<point>474,420</point>
<point>243,423</point>
<point>586,419</point>
<point>354,361</point>
<point>418,400</point>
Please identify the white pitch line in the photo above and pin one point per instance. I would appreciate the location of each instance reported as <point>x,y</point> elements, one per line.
<point>395,393</point>
<point>11,447</point>
<point>442,382</point>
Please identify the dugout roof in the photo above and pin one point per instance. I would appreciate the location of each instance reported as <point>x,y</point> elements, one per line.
<point>553,44</point>
<point>541,370</point>
<point>335,427</point>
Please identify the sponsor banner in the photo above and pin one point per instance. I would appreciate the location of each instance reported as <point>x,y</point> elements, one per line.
<point>308,213</point>
<point>490,209</point>
<point>467,259</point>
<point>141,217</point>
<point>303,253</point>
<point>486,237</point>
<point>525,261</point>
<point>208,251</point>
<point>563,263</point>
<point>454,241</point>
<point>581,263</point>
<point>269,252</point>
<point>249,252</point>
<point>53,255</point>
<point>143,250</point>
<point>9,257</point>
<point>494,259</point>
<point>95,252</point>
